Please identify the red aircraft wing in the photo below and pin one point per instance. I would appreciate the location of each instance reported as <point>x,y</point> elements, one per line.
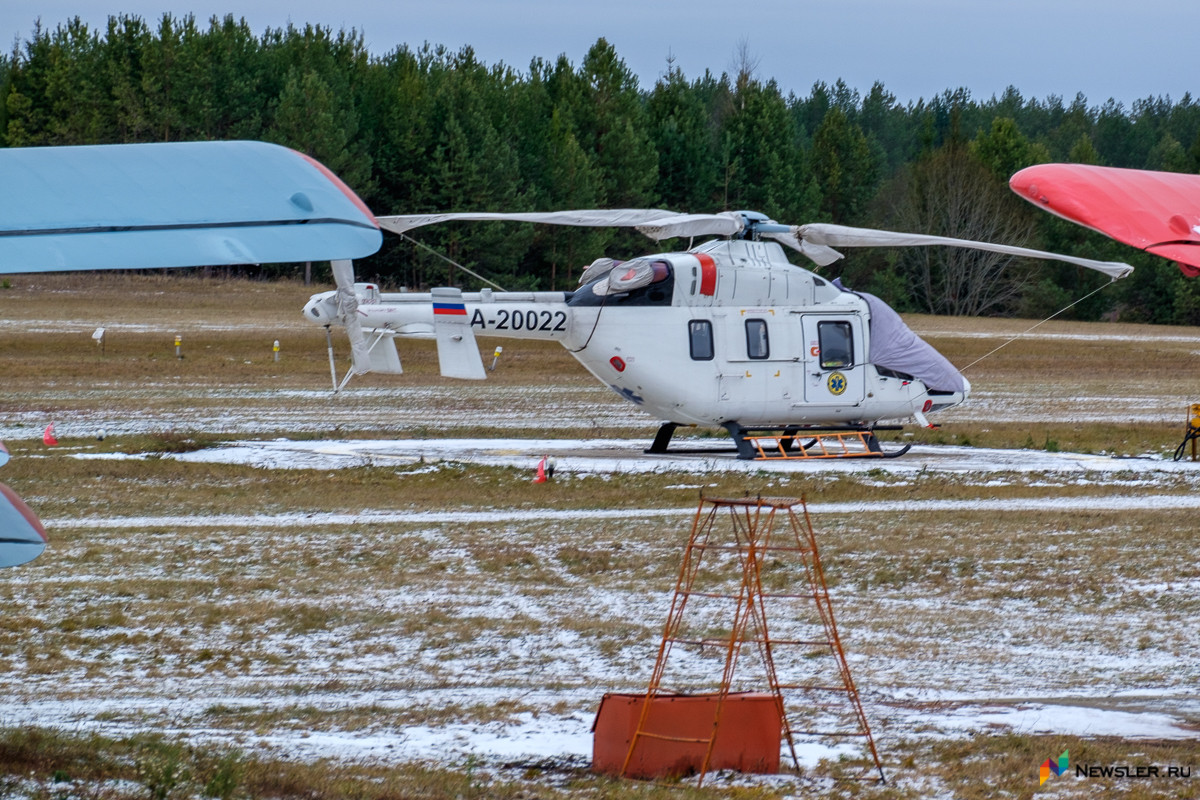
<point>1158,212</point>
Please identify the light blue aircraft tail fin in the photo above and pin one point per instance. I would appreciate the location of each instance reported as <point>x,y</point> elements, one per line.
<point>174,204</point>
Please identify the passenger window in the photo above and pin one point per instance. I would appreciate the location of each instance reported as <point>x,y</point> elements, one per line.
<point>757,344</point>
<point>836,341</point>
<point>700,338</point>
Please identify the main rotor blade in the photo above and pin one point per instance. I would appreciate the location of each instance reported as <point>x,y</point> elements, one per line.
<point>654,223</point>
<point>842,236</point>
<point>819,254</point>
<point>673,224</point>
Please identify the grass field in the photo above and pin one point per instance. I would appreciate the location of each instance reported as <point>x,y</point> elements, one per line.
<point>291,657</point>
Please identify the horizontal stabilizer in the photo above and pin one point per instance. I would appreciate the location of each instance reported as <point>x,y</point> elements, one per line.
<point>383,355</point>
<point>174,204</point>
<point>22,537</point>
<point>458,355</point>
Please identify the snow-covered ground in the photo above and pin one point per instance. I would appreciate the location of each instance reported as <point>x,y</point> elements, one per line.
<point>485,638</point>
<point>994,667</point>
<point>700,456</point>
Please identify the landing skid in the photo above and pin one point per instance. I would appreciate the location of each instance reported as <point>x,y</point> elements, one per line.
<point>662,442</point>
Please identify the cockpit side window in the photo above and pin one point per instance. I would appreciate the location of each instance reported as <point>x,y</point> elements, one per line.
<point>700,339</point>
<point>836,340</point>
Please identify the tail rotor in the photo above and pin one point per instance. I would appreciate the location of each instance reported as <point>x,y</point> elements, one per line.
<point>344,309</point>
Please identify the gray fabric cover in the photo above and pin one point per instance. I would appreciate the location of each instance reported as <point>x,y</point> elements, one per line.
<point>895,347</point>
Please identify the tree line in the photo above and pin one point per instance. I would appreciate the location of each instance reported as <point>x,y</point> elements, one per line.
<point>429,129</point>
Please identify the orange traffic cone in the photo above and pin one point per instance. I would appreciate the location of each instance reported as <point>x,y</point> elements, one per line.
<point>541,471</point>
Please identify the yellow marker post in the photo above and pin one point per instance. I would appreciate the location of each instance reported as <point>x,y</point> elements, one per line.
<point>1193,425</point>
<point>276,349</point>
<point>178,346</point>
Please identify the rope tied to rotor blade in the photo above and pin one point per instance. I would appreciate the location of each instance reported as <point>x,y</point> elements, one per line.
<point>1032,327</point>
<point>451,261</point>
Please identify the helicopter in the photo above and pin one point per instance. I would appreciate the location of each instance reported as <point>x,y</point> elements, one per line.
<point>727,333</point>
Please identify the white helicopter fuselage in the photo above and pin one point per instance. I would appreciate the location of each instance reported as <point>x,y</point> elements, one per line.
<point>727,332</point>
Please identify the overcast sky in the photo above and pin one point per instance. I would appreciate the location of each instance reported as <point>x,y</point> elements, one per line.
<point>1121,49</point>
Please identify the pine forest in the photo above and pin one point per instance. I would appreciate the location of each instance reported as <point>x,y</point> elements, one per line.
<point>422,130</point>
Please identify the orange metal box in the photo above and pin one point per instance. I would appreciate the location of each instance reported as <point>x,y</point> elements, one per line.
<point>748,738</point>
